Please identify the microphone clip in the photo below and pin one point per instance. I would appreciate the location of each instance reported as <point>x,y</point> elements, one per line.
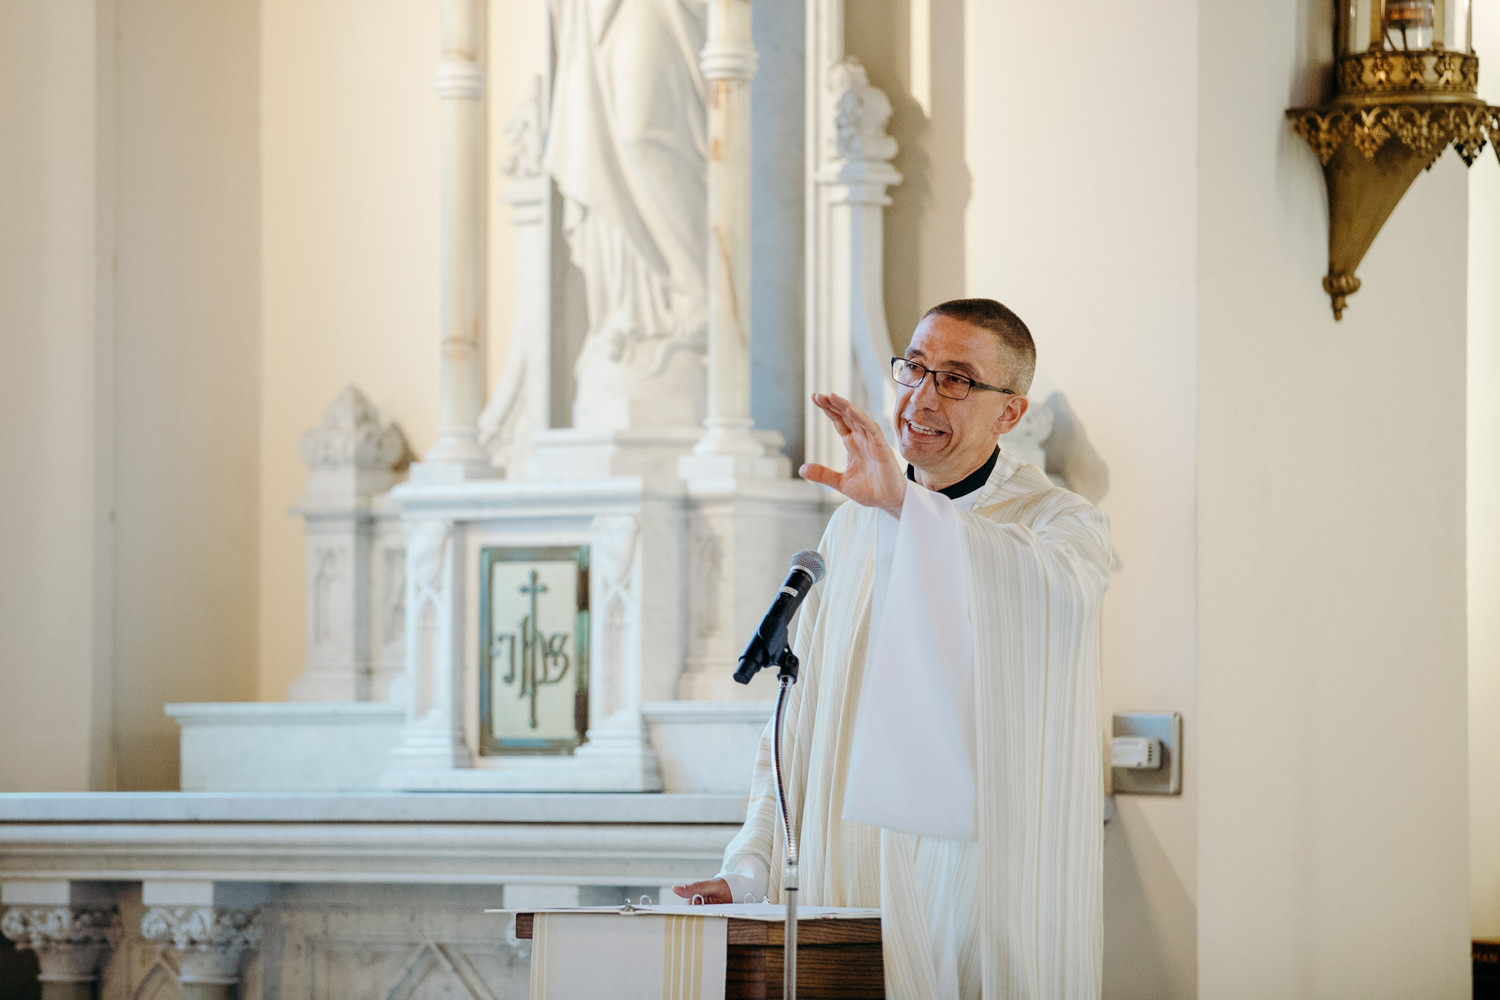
<point>757,657</point>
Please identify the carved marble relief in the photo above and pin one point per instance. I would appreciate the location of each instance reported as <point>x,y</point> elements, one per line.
<point>422,954</point>
<point>392,604</point>
<point>523,136</point>
<point>614,541</point>
<point>860,114</point>
<point>327,577</point>
<point>708,578</point>
<point>428,545</point>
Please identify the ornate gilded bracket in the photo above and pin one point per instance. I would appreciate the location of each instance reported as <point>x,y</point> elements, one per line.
<point>1370,156</point>
<point>1394,115</point>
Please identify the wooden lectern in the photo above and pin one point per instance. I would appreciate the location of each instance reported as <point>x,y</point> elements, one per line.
<point>836,959</point>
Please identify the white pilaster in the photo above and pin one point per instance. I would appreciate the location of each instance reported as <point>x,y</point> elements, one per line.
<point>729,64</point>
<point>460,84</point>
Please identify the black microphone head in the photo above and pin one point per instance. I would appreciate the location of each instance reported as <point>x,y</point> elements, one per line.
<point>811,563</point>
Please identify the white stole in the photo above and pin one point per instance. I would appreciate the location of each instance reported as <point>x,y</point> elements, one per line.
<point>911,764</point>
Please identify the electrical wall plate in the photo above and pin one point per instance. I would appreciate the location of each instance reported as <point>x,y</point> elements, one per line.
<point>1165,780</point>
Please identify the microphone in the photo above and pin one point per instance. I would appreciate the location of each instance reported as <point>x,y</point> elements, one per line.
<point>769,641</point>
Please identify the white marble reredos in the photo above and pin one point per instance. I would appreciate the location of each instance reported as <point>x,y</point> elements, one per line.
<point>371,807</point>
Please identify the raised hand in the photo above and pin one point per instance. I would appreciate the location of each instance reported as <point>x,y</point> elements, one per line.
<point>871,475</point>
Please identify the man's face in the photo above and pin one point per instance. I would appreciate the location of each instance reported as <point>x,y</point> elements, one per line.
<point>946,439</point>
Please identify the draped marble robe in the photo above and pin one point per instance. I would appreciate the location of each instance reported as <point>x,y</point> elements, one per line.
<point>1015,912</point>
<point>627,145</point>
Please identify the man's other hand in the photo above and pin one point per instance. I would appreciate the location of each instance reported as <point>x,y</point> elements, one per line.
<point>871,475</point>
<point>714,890</point>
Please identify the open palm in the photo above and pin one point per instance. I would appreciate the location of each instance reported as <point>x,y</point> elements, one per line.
<point>871,476</point>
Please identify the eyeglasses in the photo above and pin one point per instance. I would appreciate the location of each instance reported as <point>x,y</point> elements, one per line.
<point>949,384</point>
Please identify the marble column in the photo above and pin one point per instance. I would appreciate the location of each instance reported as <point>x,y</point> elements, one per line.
<point>205,929</point>
<point>729,63</point>
<point>460,84</point>
<point>72,927</point>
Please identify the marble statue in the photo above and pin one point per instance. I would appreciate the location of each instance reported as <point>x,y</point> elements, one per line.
<point>627,148</point>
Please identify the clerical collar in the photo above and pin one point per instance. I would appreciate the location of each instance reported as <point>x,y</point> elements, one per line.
<point>969,483</point>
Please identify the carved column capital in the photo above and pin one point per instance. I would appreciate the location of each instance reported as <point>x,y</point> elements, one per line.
<point>70,943</point>
<point>860,115</point>
<point>207,942</point>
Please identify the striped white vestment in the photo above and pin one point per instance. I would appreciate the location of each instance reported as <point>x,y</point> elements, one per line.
<point>1016,913</point>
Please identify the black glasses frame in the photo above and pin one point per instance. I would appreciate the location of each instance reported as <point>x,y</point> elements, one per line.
<point>961,379</point>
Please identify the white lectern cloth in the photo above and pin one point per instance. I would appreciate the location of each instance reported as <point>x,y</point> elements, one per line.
<point>642,956</point>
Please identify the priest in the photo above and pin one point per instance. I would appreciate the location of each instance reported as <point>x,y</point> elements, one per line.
<point>943,747</point>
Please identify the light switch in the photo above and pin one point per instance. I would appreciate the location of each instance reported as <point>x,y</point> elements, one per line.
<point>1136,752</point>
<point>1133,735</point>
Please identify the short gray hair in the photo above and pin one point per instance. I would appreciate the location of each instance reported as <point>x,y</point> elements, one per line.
<point>1016,344</point>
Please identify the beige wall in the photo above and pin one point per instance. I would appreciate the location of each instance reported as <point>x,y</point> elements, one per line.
<point>349,192</point>
<point>54,441</point>
<point>187,362</point>
<point>1484,505</point>
<point>128,308</point>
<point>1332,828</point>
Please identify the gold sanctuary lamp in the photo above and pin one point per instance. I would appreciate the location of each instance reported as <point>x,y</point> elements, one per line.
<point>1405,82</point>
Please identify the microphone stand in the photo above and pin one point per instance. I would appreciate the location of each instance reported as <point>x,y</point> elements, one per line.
<point>787,662</point>
<point>767,646</point>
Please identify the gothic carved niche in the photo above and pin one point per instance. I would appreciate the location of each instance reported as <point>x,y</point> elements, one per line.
<point>393,596</point>
<point>707,575</point>
<point>860,114</point>
<point>427,554</point>
<point>450,971</point>
<point>614,540</point>
<point>426,557</point>
<point>326,576</point>
<point>352,435</point>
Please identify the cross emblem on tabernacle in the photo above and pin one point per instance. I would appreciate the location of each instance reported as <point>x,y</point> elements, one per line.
<point>543,659</point>
<point>532,589</point>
